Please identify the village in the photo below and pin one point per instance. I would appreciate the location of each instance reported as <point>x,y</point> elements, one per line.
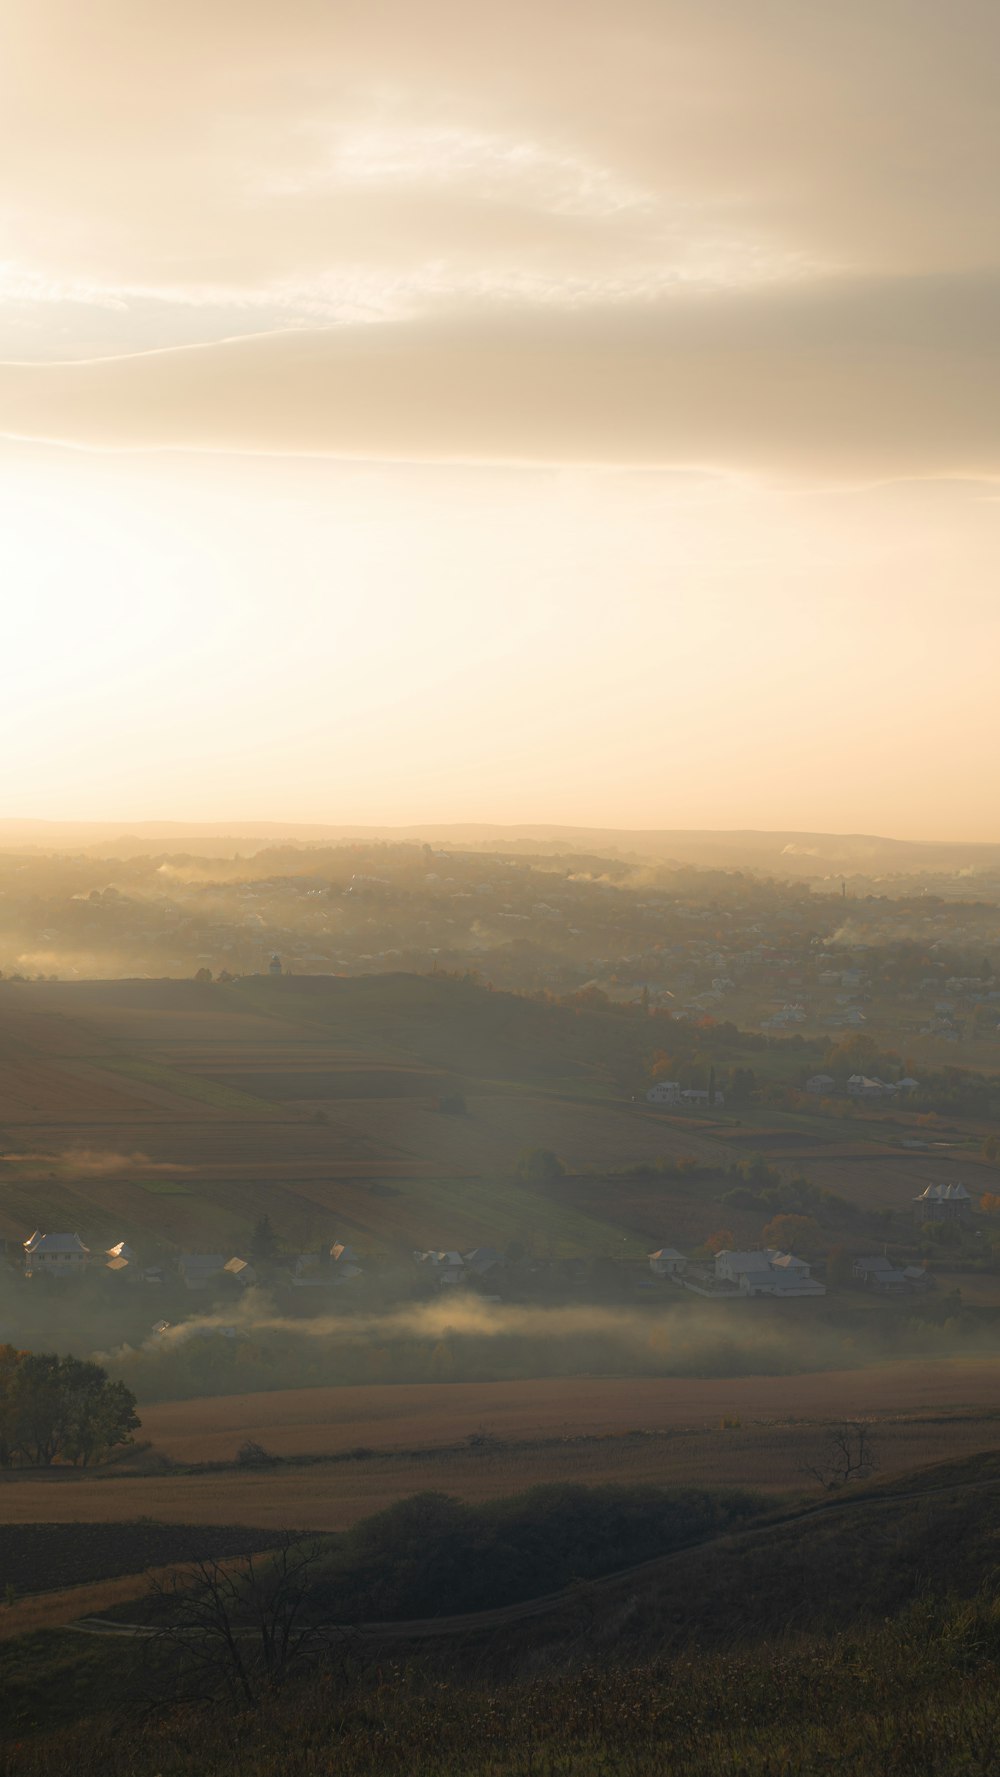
<point>345,1276</point>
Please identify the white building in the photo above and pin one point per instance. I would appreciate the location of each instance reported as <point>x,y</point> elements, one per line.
<point>821,1085</point>
<point>767,1273</point>
<point>198,1269</point>
<point>55,1255</point>
<point>664,1092</point>
<point>862,1086</point>
<point>943,1203</point>
<point>667,1262</point>
<point>879,1273</point>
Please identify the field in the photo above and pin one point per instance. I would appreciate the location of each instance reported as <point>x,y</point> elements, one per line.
<point>47,1557</point>
<point>373,1446</point>
<point>180,1112</point>
<point>184,1112</point>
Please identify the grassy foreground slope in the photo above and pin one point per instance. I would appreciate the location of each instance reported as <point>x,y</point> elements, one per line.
<point>858,1638</point>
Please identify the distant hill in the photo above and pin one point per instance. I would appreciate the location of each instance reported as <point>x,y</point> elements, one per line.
<point>778,852</point>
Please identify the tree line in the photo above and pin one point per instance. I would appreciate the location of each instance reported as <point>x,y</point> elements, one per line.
<point>60,1409</point>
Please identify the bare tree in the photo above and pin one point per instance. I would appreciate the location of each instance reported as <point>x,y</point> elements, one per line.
<point>850,1455</point>
<point>241,1628</point>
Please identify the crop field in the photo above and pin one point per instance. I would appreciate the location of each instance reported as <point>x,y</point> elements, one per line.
<point>422,1414</point>
<point>183,1112</point>
<point>739,1436</point>
<point>47,1557</point>
<point>173,1109</point>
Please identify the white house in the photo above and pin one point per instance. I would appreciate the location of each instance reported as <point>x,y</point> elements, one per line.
<point>862,1086</point>
<point>878,1273</point>
<point>664,1092</point>
<point>767,1273</point>
<point>55,1255</point>
<point>198,1269</point>
<point>667,1262</point>
<point>942,1203</point>
<point>482,1259</point>
<point>695,1097</point>
<point>821,1085</point>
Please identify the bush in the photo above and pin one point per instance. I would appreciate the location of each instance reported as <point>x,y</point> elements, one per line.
<point>433,1555</point>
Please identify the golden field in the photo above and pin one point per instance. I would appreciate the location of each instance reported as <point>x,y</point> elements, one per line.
<point>629,1432</point>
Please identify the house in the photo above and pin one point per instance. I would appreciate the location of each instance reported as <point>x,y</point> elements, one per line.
<point>667,1262</point>
<point>821,1085</point>
<point>448,1268</point>
<point>861,1086</point>
<point>344,1255</point>
<point>696,1097</point>
<point>878,1273</point>
<point>664,1092</point>
<point>942,1203</point>
<point>482,1259</point>
<point>55,1255</point>
<point>918,1278</point>
<point>197,1270</point>
<point>767,1273</point>
<point>121,1251</point>
<point>907,1084</point>
<point>241,1270</point>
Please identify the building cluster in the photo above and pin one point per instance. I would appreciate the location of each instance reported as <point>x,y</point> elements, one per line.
<point>65,1255</point>
<point>674,1096</point>
<point>862,1086</point>
<point>764,1273</point>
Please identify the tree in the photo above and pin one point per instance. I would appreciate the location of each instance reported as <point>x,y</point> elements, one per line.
<point>742,1085</point>
<point>264,1240</point>
<point>722,1241</point>
<point>794,1234</point>
<point>203,974</point>
<point>240,1630</point>
<point>850,1455</point>
<point>52,1407</point>
<point>839,1265</point>
<point>539,1166</point>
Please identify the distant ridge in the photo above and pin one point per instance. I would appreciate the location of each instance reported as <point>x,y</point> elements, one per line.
<point>786,853</point>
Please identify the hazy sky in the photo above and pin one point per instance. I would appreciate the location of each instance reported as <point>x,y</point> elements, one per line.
<point>580,410</point>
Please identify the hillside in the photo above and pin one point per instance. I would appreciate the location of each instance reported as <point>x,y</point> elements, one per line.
<point>179,1112</point>
<point>778,852</point>
<point>854,1637</point>
<point>183,1111</point>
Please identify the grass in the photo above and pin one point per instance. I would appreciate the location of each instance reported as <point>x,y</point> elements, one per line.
<point>855,1641</point>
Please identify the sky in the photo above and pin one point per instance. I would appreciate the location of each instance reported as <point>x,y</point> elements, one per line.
<point>585,412</point>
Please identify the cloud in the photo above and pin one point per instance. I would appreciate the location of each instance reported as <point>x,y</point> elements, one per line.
<point>878,378</point>
<point>648,231</point>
